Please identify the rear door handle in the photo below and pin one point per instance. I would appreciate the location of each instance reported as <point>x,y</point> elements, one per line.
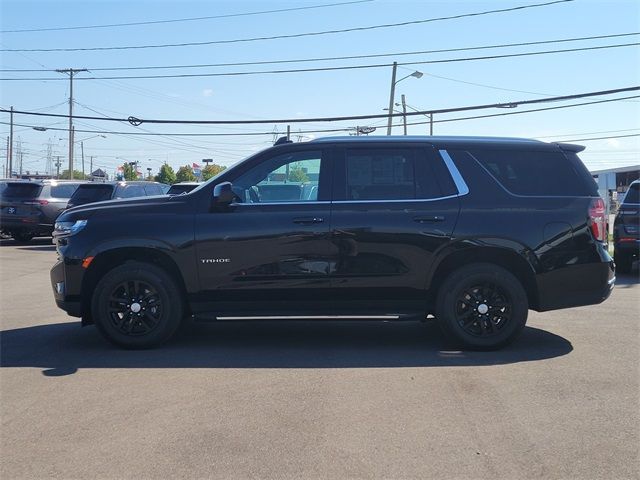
<point>308,220</point>
<point>429,219</point>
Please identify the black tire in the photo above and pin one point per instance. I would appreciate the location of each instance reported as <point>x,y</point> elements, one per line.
<point>137,305</point>
<point>22,237</point>
<point>481,307</point>
<point>623,262</point>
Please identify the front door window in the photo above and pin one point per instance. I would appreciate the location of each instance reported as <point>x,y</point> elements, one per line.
<point>290,177</point>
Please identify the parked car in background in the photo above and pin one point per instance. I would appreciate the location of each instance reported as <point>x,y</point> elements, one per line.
<point>626,230</point>
<point>182,187</point>
<point>99,192</point>
<point>30,208</point>
<point>476,231</point>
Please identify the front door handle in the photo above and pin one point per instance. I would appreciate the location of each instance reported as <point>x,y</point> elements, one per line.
<point>429,219</point>
<point>308,220</point>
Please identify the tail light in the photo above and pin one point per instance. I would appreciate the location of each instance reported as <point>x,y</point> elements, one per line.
<point>597,219</point>
<point>36,202</point>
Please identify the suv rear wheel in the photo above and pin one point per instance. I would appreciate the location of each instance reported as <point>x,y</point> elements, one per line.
<point>481,306</point>
<point>623,262</point>
<point>22,237</point>
<point>137,305</point>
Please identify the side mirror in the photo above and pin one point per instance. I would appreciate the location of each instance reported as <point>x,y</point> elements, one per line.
<point>223,194</point>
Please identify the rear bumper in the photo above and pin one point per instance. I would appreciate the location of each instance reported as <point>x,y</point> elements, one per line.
<point>24,224</point>
<point>575,285</point>
<point>628,247</point>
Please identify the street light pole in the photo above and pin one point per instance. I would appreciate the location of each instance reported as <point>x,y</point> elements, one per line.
<point>404,114</point>
<point>82,150</point>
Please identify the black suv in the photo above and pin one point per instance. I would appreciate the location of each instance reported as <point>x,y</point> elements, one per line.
<point>626,230</point>
<point>30,208</point>
<point>473,230</point>
<point>101,191</point>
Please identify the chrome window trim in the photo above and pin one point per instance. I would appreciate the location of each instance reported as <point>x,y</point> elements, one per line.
<point>405,200</point>
<point>323,202</point>
<point>461,185</point>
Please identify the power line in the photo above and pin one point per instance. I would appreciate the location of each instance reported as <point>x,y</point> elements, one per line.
<point>475,117</point>
<point>348,57</point>
<point>336,130</point>
<point>138,121</point>
<point>329,69</point>
<point>192,19</point>
<point>294,35</point>
<point>601,138</point>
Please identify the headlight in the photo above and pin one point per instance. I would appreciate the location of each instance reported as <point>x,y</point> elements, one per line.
<point>69,228</point>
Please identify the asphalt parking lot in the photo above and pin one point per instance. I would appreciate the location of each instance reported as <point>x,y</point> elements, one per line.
<point>314,400</point>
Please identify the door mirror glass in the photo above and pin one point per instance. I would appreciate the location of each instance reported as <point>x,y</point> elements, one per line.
<point>223,194</point>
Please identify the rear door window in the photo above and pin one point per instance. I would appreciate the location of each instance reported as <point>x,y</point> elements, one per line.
<point>381,174</point>
<point>63,190</point>
<point>537,173</point>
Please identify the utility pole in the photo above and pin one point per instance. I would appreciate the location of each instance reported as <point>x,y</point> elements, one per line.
<point>391,95</point>
<point>91,165</point>
<point>19,155</point>
<point>6,172</point>
<point>288,133</point>
<point>404,114</point>
<point>82,150</point>
<point>431,124</point>
<point>11,146</point>
<point>71,72</point>
<point>58,166</point>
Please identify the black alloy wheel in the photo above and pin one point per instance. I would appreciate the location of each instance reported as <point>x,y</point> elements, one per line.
<point>135,308</point>
<point>483,310</point>
<point>481,306</point>
<point>137,305</point>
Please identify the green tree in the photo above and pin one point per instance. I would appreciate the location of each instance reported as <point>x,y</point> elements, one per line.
<point>297,174</point>
<point>76,175</point>
<point>211,171</point>
<point>185,174</point>
<point>129,172</point>
<point>166,175</point>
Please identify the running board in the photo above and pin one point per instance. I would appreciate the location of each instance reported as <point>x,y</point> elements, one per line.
<point>206,317</point>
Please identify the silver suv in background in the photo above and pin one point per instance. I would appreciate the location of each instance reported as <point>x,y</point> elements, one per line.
<point>30,208</point>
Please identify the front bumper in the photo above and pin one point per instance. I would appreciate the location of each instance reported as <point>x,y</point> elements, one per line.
<point>69,303</point>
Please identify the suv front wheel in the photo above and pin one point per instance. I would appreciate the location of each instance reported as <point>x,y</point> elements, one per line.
<point>137,305</point>
<point>481,306</point>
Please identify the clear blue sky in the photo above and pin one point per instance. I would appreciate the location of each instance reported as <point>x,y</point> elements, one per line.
<point>317,93</point>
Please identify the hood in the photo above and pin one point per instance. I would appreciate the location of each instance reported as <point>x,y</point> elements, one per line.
<point>116,207</point>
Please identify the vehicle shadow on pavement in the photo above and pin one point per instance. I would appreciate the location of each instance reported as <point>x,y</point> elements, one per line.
<point>63,348</point>
<point>39,243</point>
<point>626,280</point>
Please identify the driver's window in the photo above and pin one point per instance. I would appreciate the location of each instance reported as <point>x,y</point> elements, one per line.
<point>290,177</point>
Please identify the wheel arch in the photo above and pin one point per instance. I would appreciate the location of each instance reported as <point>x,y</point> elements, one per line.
<point>109,259</point>
<point>507,258</point>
